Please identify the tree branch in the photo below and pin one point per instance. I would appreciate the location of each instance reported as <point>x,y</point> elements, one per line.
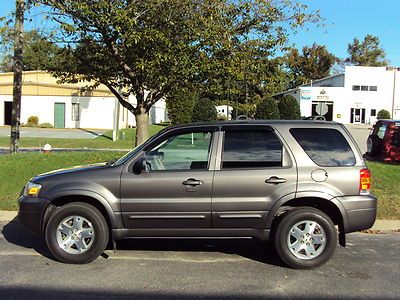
<point>121,100</point>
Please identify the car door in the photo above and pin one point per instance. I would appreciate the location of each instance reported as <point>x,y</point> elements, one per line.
<point>175,189</point>
<point>253,170</point>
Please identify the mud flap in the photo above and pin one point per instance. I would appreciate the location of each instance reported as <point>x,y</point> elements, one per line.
<point>342,237</point>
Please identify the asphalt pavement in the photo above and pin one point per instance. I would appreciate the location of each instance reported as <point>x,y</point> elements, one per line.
<point>62,133</point>
<point>191,269</point>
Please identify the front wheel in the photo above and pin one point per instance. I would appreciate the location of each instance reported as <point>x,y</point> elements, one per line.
<point>77,233</point>
<point>305,238</point>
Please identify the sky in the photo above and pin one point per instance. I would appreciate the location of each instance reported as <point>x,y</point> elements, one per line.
<point>345,20</point>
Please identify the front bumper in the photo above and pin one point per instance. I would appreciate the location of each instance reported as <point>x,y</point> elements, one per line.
<point>31,212</point>
<point>360,212</point>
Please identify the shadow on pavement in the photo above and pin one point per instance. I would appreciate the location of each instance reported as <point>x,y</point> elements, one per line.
<point>51,293</point>
<point>95,133</point>
<point>251,249</point>
<point>247,248</point>
<point>17,235</point>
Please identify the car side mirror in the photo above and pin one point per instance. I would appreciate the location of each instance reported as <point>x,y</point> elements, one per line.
<point>139,166</point>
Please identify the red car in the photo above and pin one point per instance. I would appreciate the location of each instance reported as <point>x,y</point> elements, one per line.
<point>384,141</point>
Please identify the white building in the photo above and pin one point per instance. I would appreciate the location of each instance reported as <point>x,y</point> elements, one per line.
<point>354,96</point>
<point>65,106</point>
<point>225,110</point>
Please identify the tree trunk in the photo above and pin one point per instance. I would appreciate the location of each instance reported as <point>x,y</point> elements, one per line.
<point>142,126</point>
<point>17,86</point>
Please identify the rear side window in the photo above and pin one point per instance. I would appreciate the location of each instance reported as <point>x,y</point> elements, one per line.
<point>251,149</point>
<point>326,147</point>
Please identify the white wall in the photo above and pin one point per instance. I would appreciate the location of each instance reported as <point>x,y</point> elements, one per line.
<point>157,113</point>
<point>344,98</point>
<point>333,81</point>
<point>94,112</point>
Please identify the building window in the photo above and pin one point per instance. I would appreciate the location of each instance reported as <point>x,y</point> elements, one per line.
<point>373,112</point>
<point>356,87</point>
<point>75,111</point>
<point>373,88</point>
<point>364,87</point>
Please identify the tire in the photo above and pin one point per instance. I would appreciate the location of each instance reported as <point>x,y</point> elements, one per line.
<point>305,238</point>
<point>76,233</point>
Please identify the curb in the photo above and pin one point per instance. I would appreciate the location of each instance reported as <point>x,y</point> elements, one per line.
<point>7,216</point>
<point>380,225</point>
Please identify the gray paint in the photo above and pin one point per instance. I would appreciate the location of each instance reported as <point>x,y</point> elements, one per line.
<point>228,203</point>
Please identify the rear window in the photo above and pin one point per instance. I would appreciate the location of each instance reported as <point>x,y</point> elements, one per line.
<point>326,147</point>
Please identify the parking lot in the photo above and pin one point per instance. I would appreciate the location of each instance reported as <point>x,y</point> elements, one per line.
<point>217,269</point>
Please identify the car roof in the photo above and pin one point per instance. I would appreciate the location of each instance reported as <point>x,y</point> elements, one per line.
<point>253,122</point>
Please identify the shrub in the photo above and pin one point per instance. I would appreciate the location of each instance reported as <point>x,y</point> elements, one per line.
<point>180,106</point>
<point>383,114</point>
<point>289,108</point>
<point>221,117</point>
<point>45,125</point>
<point>267,109</point>
<point>204,110</point>
<point>33,121</point>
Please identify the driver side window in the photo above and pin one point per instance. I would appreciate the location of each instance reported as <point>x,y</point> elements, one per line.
<point>188,151</point>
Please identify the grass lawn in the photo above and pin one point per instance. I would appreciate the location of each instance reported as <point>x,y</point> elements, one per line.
<point>17,169</point>
<point>104,141</point>
<point>385,180</point>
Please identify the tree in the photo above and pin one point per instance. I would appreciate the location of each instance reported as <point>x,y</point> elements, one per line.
<point>204,110</point>
<point>267,109</point>
<point>314,62</point>
<point>39,52</point>
<point>180,104</point>
<point>366,53</point>
<point>289,108</point>
<point>148,48</point>
<point>383,114</point>
<point>17,82</point>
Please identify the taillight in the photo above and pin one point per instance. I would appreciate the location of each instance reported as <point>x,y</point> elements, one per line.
<point>365,181</point>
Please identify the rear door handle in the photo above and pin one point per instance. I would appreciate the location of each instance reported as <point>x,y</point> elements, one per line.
<point>192,182</point>
<point>275,180</point>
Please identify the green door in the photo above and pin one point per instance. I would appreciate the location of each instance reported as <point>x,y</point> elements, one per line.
<point>59,115</point>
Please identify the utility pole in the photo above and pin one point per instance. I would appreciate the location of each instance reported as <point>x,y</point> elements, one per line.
<point>17,68</point>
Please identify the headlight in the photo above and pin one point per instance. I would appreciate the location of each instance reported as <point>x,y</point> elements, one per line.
<point>32,189</point>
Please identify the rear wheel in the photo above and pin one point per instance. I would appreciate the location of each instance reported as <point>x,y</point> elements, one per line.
<point>305,238</point>
<point>77,233</point>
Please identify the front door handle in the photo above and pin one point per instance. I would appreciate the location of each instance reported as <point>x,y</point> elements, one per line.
<point>192,182</point>
<point>275,180</point>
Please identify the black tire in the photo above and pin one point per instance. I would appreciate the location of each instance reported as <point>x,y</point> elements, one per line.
<point>285,229</point>
<point>95,223</point>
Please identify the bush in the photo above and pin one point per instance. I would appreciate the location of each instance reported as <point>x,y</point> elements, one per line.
<point>33,121</point>
<point>204,110</point>
<point>45,125</point>
<point>267,109</point>
<point>180,106</point>
<point>289,108</point>
<point>221,117</point>
<point>383,114</point>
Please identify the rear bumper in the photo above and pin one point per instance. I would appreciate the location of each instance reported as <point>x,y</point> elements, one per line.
<point>31,212</point>
<point>360,212</point>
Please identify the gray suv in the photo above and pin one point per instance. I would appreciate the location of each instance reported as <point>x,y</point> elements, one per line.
<point>301,184</point>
